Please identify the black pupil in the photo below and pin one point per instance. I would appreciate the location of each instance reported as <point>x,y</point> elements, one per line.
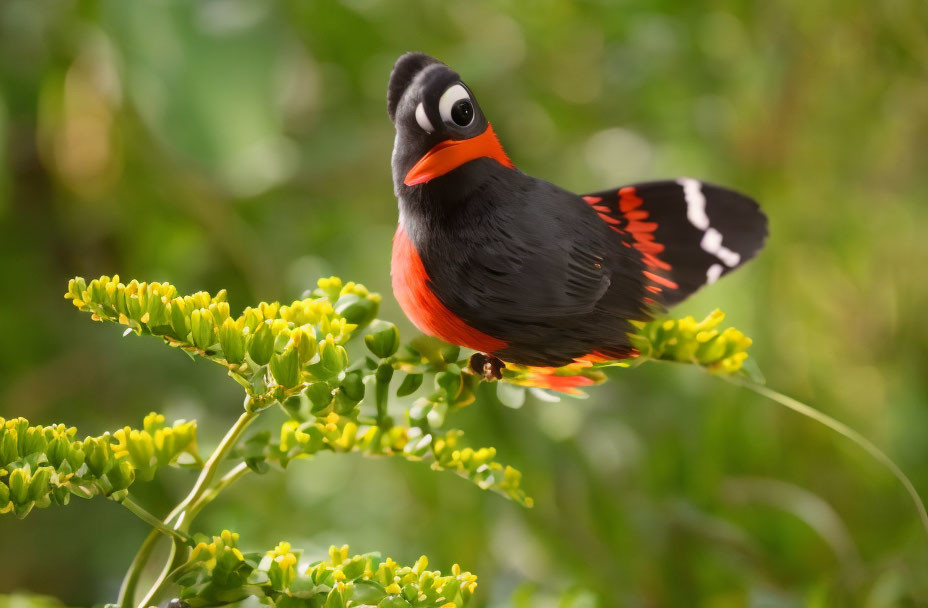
<point>462,112</point>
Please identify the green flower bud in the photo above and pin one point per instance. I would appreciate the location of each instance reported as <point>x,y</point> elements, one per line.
<point>353,386</point>
<point>33,440</point>
<point>336,600</point>
<point>153,422</point>
<point>97,291</point>
<point>58,450</point>
<point>75,456</point>
<point>332,360</point>
<point>4,496</point>
<point>99,455</point>
<point>220,312</point>
<point>357,310</point>
<point>9,447</point>
<point>450,383</point>
<point>451,353</point>
<point>285,368</point>
<point>76,288</point>
<point>38,485</point>
<point>393,601</point>
<point>180,323</point>
<point>201,328</point>
<point>165,446</point>
<point>121,475</point>
<point>120,304</point>
<point>329,288</point>
<point>232,341</point>
<point>185,437</point>
<point>252,317</point>
<point>19,486</point>
<point>60,495</point>
<point>261,346</point>
<point>304,339</point>
<point>334,357</point>
<point>157,311</point>
<point>383,340</point>
<point>133,307</point>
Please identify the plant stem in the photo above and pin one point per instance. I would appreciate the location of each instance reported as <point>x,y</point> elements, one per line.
<point>153,521</point>
<point>842,429</point>
<point>225,481</point>
<point>131,580</point>
<point>211,468</point>
<point>181,516</point>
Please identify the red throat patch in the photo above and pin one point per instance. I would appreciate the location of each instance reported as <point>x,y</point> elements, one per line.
<point>452,153</point>
<point>422,306</point>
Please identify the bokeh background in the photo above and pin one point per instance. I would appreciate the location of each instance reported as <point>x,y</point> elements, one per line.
<point>239,144</point>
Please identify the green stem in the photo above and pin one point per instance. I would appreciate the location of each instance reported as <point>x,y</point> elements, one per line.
<point>154,522</point>
<point>225,481</point>
<point>211,468</point>
<point>842,429</point>
<point>131,580</point>
<point>182,515</point>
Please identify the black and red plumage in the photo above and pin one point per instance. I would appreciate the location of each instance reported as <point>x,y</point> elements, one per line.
<point>488,257</point>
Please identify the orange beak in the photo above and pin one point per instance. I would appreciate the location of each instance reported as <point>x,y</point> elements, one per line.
<point>452,153</point>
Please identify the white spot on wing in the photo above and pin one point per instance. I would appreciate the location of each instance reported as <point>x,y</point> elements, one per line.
<point>696,214</point>
<point>711,241</point>
<point>695,202</point>
<point>731,258</point>
<point>713,274</point>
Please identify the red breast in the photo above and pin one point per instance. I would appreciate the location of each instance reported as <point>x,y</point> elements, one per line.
<point>424,309</point>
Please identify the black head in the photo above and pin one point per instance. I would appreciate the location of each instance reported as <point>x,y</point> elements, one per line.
<point>439,124</point>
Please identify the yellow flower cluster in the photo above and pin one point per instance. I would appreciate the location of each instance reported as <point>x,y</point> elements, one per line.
<point>366,579</point>
<point>155,445</point>
<point>689,341</point>
<point>41,465</point>
<point>445,451</point>
<point>300,342</point>
<point>217,571</point>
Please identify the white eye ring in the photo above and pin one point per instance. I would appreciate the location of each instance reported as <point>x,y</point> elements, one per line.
<point>454,94</point>
<point>423,119</point>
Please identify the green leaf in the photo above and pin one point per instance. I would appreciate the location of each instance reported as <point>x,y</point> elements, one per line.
<point>320,394</point>
<point>410,384</point>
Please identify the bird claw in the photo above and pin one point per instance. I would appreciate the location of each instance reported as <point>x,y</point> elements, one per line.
<point>488,366</point>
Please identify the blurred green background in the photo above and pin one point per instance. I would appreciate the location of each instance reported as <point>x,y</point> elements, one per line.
<point>239,144</point>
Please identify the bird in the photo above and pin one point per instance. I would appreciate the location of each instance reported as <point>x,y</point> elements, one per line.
<point>523,271</point>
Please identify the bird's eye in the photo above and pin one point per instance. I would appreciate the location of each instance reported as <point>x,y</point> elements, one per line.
<point>462,112</point>
<point>456,107</point>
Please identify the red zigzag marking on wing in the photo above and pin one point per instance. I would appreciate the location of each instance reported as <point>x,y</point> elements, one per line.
<point>642,232</point>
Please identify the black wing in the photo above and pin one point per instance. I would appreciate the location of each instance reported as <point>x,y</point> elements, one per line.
<point>688,233</point>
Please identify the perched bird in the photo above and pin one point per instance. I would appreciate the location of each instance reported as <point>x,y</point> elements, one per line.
<point>521,270</point>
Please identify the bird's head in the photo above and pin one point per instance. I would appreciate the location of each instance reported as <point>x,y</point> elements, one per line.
<point>439,124</point>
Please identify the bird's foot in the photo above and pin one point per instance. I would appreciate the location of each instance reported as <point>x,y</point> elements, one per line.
<point>488,366</point>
